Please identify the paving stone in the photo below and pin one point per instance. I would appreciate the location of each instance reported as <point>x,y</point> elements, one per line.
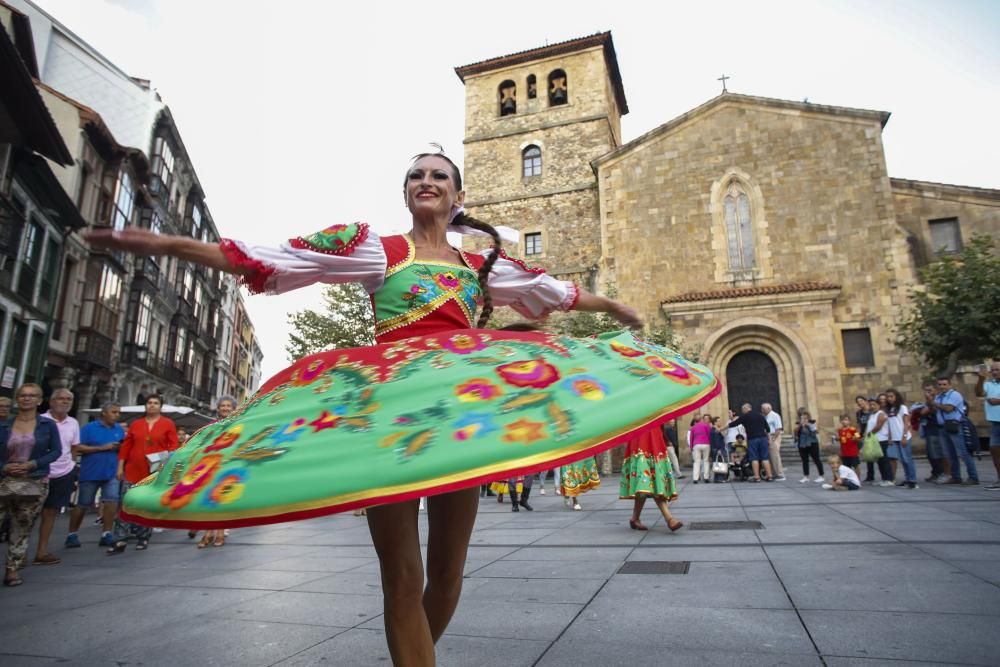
<point>338,610</point>
<point>567,652</point>
<point>352,583</point>
<point>549,569</point>
<point>258,579</point>
<point>711,629</point>
<point>226,641</point>
<point>945,638</point>
<point>740,554</point>
<point>512,591</point>
<point>580,552</point>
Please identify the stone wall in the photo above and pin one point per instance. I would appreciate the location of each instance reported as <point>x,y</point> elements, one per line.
<point>822,210</point>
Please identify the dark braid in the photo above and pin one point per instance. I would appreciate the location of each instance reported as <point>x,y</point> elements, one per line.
<point>484,270</point>
<point>468,221</point>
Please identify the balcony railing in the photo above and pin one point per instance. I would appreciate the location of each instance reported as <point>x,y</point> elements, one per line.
<point>93,348</point>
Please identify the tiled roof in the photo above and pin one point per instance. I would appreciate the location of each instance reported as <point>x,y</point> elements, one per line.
<point>757,290</point>
<point>558,49</point>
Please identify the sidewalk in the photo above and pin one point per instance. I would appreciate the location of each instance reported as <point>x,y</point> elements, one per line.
<point>854,578</point>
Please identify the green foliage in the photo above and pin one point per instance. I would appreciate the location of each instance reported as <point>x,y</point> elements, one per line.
<point>345,320</point>
<point>955,315</point>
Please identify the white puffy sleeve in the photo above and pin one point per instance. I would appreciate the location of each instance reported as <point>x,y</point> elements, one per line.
<point>531,292</point>
<point>337,254</point>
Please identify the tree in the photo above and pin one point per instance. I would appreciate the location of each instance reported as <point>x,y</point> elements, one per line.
<point>955,313</point>
<point>346,320</point>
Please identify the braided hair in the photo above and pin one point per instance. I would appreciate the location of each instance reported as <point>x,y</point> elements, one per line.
<point>468,221</point>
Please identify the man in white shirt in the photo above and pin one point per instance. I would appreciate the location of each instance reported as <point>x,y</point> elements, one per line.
<point>774,440</point>
<point>62,472</point>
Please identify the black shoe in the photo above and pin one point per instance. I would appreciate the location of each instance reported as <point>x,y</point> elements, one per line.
<point>524,500</point>
<point>695,482</point>
<point>514,502</point>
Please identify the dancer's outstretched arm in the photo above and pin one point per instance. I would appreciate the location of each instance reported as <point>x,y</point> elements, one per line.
<point>146,243</point>
<point>627,315</point>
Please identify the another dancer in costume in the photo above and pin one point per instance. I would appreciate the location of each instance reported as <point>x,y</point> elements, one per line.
<point>217,537</point>
<point>434,409</point>
<point>576,479</point>
<point>646,472</point>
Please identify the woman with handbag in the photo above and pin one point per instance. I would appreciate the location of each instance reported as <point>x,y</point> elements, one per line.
<point>878,425</point>
<point>719,451</point>
<point>146,440</point>
<point>807,442</point>
<point>28,444</point>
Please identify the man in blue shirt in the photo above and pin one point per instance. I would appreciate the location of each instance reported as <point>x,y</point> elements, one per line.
<point>988,389</point>
<point>950,407</point>
<point>98,451</point>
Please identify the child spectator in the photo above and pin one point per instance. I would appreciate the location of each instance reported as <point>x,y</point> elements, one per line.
<point>850,442</point>
<point>844,479</point>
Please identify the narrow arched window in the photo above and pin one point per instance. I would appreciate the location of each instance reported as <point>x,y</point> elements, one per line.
<point>558,88</point>
<point>532,87</point>
<point>739,230</point>
<point>507,94</point>
<point>531,160</point>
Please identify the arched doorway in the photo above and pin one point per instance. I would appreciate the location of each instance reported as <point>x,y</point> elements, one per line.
<point>752,377</point>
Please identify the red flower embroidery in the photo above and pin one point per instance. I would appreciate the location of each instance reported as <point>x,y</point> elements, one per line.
<point>463,344</point>
<point>529,373</point>
<point>671,371</point>
<point>227,439</point>
<point>200,474</point>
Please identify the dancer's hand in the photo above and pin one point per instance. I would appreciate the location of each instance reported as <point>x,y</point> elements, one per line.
<point>136,241</point>
<point>627,315</point>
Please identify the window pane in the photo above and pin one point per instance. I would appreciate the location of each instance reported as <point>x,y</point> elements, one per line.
<point>533,244</point>
<point>946,237</point>
<point>858,348</point>
<point>733,234</point>
<point>746,231</point>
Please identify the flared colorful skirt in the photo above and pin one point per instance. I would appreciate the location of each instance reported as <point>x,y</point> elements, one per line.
<point>646,470</point>
<point>579,477</point>
<point>367,426</point>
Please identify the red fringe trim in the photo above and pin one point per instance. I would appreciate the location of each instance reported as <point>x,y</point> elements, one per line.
<point>258,273</point>
<point>576,297</point>
<point>431,490</point>
<point>520,263</point>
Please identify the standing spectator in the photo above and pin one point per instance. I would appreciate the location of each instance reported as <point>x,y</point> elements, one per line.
<point>989,391</point>
<point>670,437</point>
<point>900,436</point>
<point>774,440</point>
<point>850,443</point>
<point>757,429</point>
<point>149,434</point>
<point>5,405</point>
<point>140,399</point>
<point>861,415</point>
<point>719,450</point>
<point>98,452</point>
<point>807,442</point>
<point>930,431</point>
<point>217,537</point>
<point>701,444</point>
<point>29,443</point>
<point>950,407</point>
<point>182,435</point>
<point>732,433</point>
<point>62,472</point>
<point>878,423</point>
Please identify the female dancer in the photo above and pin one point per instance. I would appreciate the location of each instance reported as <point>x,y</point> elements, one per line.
<point>576,479</point>
<point>420,287</point>
<point>646,472</point>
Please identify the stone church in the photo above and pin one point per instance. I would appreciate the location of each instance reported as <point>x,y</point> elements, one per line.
<point>768,231</point>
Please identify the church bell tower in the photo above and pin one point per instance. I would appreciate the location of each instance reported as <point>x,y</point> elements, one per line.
<point>534,120</point>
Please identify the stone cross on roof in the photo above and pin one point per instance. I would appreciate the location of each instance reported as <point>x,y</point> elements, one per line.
<point>723,79</point>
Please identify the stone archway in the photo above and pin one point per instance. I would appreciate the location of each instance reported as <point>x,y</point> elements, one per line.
<point>758,338</point>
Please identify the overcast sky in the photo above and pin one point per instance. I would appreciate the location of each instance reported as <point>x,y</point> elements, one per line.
<point>301,114</point>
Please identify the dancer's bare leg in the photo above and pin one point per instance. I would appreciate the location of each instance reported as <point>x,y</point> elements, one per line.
<point>394,532</point>
<point>637,507</point>
<point>450,517</point>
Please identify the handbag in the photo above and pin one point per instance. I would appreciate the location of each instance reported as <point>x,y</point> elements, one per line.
<point>720,467</point>
<point>953,426</point>
<point>23,487</point>
<point>871,451</point>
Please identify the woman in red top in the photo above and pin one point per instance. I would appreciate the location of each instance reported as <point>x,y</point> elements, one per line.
<point>149,434</point>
